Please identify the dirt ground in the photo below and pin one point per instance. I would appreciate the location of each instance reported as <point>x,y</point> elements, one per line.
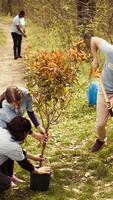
<point>12,71</point>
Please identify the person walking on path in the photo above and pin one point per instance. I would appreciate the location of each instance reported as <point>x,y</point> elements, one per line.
<point>18,30</point>
<point>107,79</point>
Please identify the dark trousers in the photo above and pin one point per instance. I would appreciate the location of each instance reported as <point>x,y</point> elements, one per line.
<point>5,182</point>
<point>6,171</point>
<point>17,40</point>
<point>7,167</point>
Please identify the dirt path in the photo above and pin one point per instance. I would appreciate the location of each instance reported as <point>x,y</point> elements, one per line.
<point>11,71</point>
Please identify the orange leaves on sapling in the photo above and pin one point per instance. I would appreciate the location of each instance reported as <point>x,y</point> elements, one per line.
<point>77,53</point>
<point>52,77</point>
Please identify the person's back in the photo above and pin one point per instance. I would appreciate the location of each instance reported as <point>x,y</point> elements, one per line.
<point>8,147</point>
<point>5,117</point>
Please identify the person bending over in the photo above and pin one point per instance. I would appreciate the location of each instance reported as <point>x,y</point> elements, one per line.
<point>10,139</point>
<point>15,101</point>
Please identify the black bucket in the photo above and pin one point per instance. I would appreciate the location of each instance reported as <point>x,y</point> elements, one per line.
<point>39,182</point>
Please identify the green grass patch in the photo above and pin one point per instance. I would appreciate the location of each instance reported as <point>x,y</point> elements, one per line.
<point>77,173</point>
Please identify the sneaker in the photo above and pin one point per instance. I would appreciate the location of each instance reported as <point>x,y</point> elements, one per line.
<point>98,144</point>
<point>14,179</point>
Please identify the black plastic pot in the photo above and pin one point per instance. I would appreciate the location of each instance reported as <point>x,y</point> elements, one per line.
<point>39,182</point>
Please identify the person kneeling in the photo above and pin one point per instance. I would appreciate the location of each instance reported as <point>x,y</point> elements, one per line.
<point>10,139</point>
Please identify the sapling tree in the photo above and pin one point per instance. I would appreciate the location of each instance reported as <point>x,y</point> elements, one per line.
<point>52,77</point>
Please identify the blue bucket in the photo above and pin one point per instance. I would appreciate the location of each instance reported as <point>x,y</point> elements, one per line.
<point>92,93</point>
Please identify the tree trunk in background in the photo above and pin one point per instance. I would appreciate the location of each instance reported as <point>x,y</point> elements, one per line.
<point>69,18</point>
<point>11,7</point>
<point>86,11</point>
<point>17,5</point>
<point>5,6</point>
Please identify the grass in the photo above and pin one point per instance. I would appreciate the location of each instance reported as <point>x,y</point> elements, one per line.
<point>51,38</point>
<point>78,174</point>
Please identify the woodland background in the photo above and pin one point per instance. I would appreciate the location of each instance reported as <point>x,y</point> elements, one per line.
<point>57,25</point>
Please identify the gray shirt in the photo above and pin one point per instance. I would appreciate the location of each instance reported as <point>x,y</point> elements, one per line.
<point>9,148</point>
<point>107,73</point>
<point>26,105</point>
<point>5,117</point>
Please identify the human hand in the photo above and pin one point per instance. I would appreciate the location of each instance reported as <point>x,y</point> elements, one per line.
<point>41,130</point>
<point>39,158</point>
<point>42,170</point>
<point>108,104</point>
<point>111,103</point>
<point>24,35</point>
<point>42,138</point>
<point>24,31</point>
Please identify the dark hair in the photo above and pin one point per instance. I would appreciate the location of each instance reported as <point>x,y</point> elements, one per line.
<point>13,94</point>
<point>22,13</point>
<point>19,128</point>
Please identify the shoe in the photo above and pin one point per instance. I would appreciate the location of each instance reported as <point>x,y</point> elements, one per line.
<point>98,144</point>
<point>15,58</point>
<point>14,179</point>
<point>19,56</point>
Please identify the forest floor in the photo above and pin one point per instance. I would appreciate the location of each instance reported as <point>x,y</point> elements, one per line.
<point>11,71</point>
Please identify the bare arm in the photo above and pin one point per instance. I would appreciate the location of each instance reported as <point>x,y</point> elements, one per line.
<point>21,31</point>
<point>42,138</point>
<point>34,157</point>
<point>95,41</point>
<point>40,170</point>
<point>25,164</point>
